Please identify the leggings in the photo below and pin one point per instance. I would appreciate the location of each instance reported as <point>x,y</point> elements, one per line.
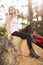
<point>27,29</point>
<point>24,35</point>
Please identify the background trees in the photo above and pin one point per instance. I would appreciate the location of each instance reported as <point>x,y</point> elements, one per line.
<point>34,14</point>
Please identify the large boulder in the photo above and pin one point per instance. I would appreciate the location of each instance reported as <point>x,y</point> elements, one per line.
<point>23,47</point>
<point>11,51</point>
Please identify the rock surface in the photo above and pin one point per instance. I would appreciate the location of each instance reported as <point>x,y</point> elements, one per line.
<point>19,55</point>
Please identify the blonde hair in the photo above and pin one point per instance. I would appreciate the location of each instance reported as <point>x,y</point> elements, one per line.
<point>13,8</point>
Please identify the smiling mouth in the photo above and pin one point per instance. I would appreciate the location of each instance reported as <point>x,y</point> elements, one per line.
<point>11,13</point>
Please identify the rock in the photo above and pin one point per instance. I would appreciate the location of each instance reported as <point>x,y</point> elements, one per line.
<point>15,52</point>
<point>22,45</point>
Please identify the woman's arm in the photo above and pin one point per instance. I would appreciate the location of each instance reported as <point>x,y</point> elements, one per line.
<point>7,24</point>
<point>7,27</point>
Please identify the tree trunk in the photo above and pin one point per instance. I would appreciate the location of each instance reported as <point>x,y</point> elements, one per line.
<point>30,10</point>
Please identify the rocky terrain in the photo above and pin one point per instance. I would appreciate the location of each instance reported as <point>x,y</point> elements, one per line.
<point>16,52</point>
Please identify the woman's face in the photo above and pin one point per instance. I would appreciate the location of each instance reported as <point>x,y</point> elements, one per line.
<point>11,10</point>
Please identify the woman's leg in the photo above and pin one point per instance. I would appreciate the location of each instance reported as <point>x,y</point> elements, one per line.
<point>29,42</point>
<point>21,34</point>
<point>27,29</point>
<point>24,36</point>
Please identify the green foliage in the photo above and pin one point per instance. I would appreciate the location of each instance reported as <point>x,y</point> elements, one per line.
<point>38,27</point>
<point>2,31</point>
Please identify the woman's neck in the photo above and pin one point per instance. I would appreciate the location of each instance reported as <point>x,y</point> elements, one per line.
<point>12,16</point>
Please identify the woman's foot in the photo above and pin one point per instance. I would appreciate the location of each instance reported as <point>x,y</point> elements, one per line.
<point>33,54</point>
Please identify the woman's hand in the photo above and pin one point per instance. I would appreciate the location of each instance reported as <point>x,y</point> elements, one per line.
<point>9,37</point>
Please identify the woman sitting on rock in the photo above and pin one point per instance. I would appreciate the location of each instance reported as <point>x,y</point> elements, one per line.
<point>12,30</point>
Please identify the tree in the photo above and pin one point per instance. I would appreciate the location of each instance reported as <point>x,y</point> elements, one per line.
<point>30,10</point>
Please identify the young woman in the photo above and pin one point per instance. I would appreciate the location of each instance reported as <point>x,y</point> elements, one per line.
<point>12,30</point>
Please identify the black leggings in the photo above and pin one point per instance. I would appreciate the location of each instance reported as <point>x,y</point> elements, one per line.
<point>24,35</point>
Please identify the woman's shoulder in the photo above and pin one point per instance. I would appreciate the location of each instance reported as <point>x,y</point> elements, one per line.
<point>8,17</point>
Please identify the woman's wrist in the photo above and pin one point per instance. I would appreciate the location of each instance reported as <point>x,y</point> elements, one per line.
<point>9,35</point>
